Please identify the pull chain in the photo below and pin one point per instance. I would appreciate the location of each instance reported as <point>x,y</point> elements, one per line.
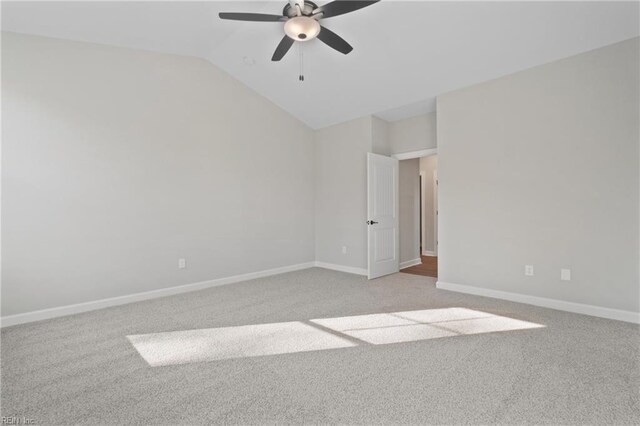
<point>301,76</point>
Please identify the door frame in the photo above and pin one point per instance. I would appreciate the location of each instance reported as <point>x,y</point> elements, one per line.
<point>423,228</point>
<point>435,212</point>
<point>415,154</point>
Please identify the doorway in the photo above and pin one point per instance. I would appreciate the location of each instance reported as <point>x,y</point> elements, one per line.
<point>418,224</point>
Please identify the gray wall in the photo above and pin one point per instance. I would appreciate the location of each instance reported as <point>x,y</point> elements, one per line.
<point>413,134</point>
<point>380,136</point>
<point>541,168</point>
<point>341,192</point>
<point>118,162</point>
<point>427,166</point>
<point>409,209</point>
<point>341,183</point>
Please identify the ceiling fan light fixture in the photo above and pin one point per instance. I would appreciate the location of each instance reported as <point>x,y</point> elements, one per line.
<point>302,28</point>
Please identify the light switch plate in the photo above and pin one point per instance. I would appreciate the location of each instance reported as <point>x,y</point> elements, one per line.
<point>565,274</point>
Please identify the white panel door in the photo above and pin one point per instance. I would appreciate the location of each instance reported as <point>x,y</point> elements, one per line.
<point>382,209</point>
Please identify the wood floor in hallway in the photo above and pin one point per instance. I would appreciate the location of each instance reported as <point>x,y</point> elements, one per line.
<point>428,267</point>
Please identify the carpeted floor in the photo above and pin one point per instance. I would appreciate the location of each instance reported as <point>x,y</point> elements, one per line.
<point>85,369</point>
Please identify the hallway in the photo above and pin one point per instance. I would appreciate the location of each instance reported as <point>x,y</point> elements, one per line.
<point>428,267</point>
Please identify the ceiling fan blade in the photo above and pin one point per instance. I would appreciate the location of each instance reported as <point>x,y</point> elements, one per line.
<point>334,41</point>
<point>340,7</point>
<point>282,49</point>
<point>255,17</point>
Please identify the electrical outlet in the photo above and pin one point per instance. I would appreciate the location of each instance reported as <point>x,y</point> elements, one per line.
<point>182,263</point>
<point>528,270</point>
<point>344,249</point>
<point>565,274</point>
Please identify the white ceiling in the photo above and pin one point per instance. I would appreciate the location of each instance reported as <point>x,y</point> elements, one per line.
<point>405,53</point>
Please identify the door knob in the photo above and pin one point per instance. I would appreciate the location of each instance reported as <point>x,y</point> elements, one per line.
<point>371,222</point>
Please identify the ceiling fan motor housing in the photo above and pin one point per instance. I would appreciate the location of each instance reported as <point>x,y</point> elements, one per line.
<point>307,10</point>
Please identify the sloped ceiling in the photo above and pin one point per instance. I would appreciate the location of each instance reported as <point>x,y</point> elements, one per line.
<point>405,52</point>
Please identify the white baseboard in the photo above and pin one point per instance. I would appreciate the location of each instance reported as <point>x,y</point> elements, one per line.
<point>429,253</point>
<point>578,308</point>
<point>9,320</point>
<point>409,263</point>
<point>341,268</point>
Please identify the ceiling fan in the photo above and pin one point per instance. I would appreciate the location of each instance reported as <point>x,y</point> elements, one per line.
<point>301,18</point>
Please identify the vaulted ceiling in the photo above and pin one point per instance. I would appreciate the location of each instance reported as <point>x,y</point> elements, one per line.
<point>405,53</point>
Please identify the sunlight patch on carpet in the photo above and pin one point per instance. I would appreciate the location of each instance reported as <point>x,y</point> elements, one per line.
<point>398,327</point>
<point>212,344</point>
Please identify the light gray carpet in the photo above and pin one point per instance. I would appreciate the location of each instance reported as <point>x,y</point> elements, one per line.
<point>83,369</point>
